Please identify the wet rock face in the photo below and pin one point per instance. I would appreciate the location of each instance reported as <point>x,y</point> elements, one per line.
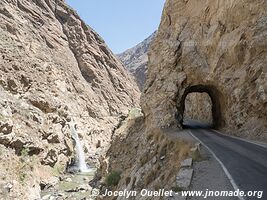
<point>218,45</point>
<point>54,67</point>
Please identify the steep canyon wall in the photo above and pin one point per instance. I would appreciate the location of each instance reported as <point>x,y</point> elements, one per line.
<point>218,47</point>
<point>53,67</point>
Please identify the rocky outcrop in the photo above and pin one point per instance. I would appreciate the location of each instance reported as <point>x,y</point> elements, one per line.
<point>207,60</point>
<point>135,60</point>
<point>54,67</point>
<point>198,106</point>
<point>144,159</point>
<point>217,47</point>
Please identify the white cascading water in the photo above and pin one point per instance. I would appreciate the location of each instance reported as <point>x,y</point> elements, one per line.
<point>79,149</point>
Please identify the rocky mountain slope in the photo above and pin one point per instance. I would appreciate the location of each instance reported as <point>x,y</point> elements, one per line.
<point>217,47</point>
<point>135,60</point>
<point>54,68</point>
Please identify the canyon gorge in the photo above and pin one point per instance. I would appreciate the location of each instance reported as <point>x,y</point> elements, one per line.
<point>135,60</point>
<point>54,68</point>
<point>211,54</point>
<point>216,47</point>
<point>61,86</point>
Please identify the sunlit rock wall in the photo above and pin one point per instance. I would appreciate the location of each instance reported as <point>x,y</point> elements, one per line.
<point>53,67</point>
<point>216,43</point>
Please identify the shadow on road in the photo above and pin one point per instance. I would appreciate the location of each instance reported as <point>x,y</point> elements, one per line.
<point>195,124</point>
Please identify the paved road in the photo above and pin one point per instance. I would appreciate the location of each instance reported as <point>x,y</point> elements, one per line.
<point>245,162</point>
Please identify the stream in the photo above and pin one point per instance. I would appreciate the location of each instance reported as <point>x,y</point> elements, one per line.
<point>75,185</point>
<point>71,187</point>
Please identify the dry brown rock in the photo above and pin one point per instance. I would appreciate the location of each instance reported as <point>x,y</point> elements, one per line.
<point>135,60</point>
<point>54,67</point>
<point>198,106</point>
<point>51,158</point>
<point>146,158</point>
<point>6,128</point>
<point>218,47</point>
<point>198,49</point>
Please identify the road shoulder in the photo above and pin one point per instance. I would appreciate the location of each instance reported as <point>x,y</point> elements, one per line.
<point>208,174</point>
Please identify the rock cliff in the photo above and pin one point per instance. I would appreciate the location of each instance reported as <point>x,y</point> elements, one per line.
<point>217,47</point>
<point>135,60</point>
<point>198,106</point>
<point>53,68</point>
<point>207,59</point>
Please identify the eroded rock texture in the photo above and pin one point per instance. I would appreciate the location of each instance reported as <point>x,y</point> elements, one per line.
<point>218,47</point>
<point>135,60</point>
<point>198,106</point>
<point>53,67</point>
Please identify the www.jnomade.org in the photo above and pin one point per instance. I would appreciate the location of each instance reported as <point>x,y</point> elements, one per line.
<point>167,193</point>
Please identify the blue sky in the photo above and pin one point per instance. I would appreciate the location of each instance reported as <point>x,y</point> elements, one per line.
<point>121,23</point>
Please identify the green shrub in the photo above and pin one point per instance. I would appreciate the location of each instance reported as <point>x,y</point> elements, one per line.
<point>33,162</point>
<point>22,177</point>
<point>113,178</point>
<point>25,152</point>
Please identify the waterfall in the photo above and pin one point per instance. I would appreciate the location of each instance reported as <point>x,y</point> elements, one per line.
<point>79,149</point>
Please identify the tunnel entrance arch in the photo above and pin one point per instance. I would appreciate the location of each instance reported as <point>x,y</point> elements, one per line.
<point>214,94</point>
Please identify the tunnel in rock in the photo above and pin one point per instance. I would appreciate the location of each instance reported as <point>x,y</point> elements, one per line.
<point>202,103</point>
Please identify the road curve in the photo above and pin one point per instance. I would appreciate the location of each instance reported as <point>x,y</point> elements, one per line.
<point>246,162</point>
